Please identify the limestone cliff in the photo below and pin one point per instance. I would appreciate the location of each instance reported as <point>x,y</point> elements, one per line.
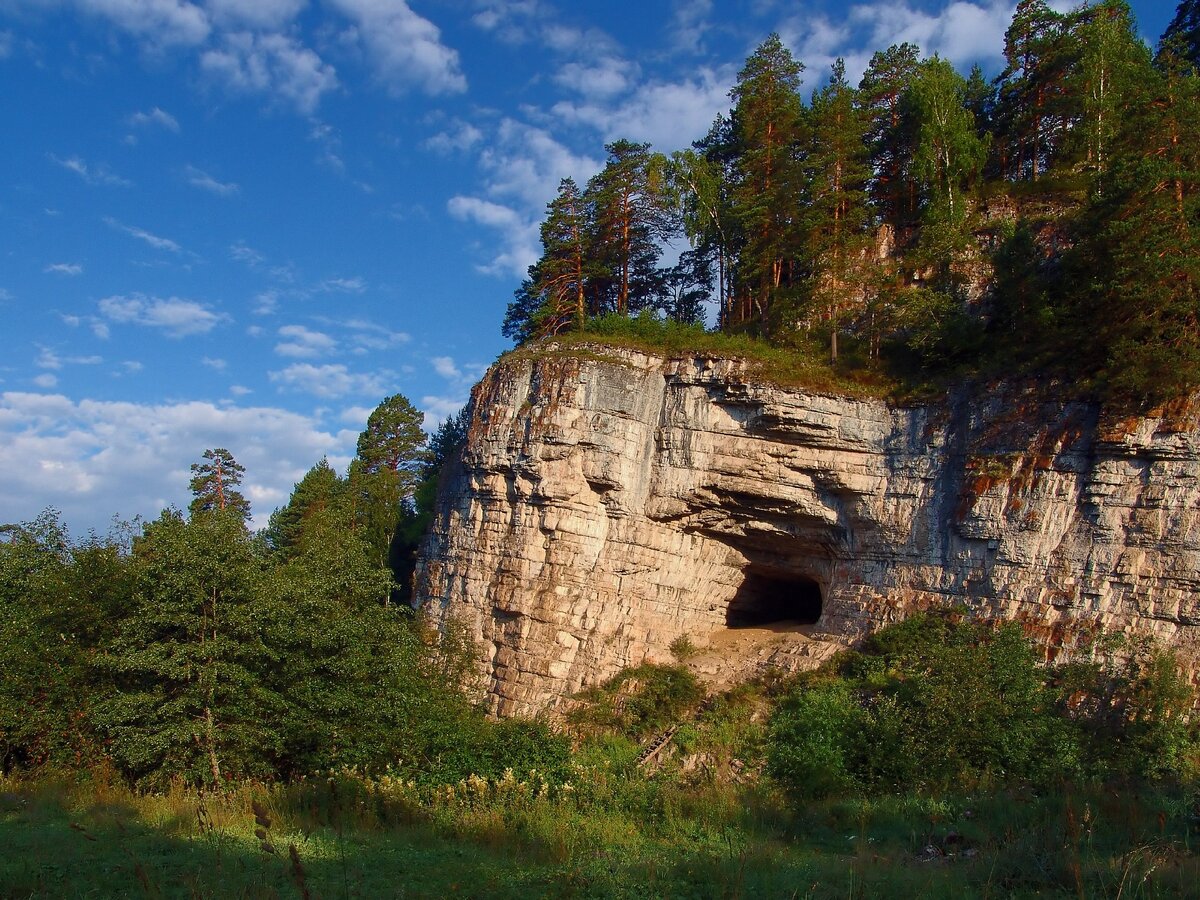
<point>608,503</point>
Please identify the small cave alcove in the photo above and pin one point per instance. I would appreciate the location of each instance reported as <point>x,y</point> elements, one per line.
<point>770,599</point>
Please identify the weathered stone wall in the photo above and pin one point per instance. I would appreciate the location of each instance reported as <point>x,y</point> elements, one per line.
<point>609,503</point>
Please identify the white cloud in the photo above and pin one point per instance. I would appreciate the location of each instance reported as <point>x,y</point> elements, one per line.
<point>355,285</point>
<point>158,243</point>
<point>444,366</point>
<point>6,295</point>
<point>64,268</point>
<point>438,409</point>
<point>329,381</point>
<point>6,44</point>
<point>46,380</point>
<point>527,163</point>
<point>603,78</point>
<point>214,363</point>
<point>485,212</point>
<point>200,179</point>
<point>239,390</point>
<point>100,330</point>
<point>273,64</point>
<point>961,31</point>
<point>366,335</point>
<point>246,254</point>
<point>131,366</point>
<point>156,116</point>
<point>268,14</point>
<point>405,48</point>
<point>303,342</point>
<point>94,459</point>
<point>459,136</point>
<point>161,23</point>
<point>690,24</point>
<point>668,114</point>
<point>98,174</point>
<point>175,316</point>
<point>48,359</point>
<point>266,302</point>
<point>523,167</point>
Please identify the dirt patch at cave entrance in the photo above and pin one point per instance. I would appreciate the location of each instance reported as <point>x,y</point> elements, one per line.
<point>733,655</point>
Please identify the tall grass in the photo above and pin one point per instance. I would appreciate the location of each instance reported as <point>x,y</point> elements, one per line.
<point>606,835</point>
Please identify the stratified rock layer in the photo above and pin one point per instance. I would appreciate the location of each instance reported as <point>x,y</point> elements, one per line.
<point>609,503</point>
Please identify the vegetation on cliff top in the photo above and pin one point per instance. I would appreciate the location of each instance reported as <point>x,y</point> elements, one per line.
<point>920,225</point>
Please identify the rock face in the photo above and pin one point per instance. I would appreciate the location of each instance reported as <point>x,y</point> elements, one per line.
<point>610,503</point>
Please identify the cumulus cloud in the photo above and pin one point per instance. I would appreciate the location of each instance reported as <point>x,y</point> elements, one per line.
<point>668,114</point>
<point>266,14</point>
<point>444,366</point>
<point>961,31</point>
<point>154,240</point>
<point>160,23</point>
<point>523,166</point>
<point>273,64</point>
<point>602,78</point>
<point>46,380</point>
<point>97,174</point>
<point>205,182</point>
<point>93,459</point>
<point>176,317</point>
<point>155,117</point>
<point>457,137</point>
<point>299,341</point>
<point>328,381</point>
<point>405,49</point>
<point>64,269</point>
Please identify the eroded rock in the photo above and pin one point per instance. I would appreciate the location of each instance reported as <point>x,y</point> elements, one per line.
<point>609,504</point>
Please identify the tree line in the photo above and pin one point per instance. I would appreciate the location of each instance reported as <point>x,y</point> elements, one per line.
<point>191,648</point>
<point>1043,220</point>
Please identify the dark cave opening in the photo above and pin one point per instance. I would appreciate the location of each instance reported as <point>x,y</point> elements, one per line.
<point>772,599</point>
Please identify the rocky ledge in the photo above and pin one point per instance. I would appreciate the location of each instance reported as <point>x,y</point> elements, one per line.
<point>609,504</point>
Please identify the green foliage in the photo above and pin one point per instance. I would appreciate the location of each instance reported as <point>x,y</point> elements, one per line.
<point>186,698</point>
<point>936,700</point>
<point>214,484</point>
<point>639,701</point>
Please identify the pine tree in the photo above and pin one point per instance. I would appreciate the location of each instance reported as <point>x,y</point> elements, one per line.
<point>187,664</point>
<point>386,471</point>
<point>1029,90</point>
<point>1136,266</point>
<point>836,218</point>
<point>321,488</point>
<point>699,185</point>
<point>768,126</point>
<point>215,482</point>
<point>1182,36</point>
<point>630,216</point>
<point>553,296</point>
<point>893,190</point>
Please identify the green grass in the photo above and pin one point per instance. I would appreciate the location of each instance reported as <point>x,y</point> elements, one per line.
<point>805,365</point>
<point>609,837</point>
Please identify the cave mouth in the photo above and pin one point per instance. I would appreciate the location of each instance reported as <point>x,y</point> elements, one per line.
<point>769,599</point>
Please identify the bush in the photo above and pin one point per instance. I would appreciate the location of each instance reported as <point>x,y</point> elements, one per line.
<point>937,701</point>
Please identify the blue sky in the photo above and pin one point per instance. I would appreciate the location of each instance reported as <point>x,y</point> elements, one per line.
<point>242,223</point>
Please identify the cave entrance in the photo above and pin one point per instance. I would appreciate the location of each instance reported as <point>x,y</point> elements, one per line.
<point>770,599</point>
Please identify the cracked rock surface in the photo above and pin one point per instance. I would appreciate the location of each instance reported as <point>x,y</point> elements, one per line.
<point>609,504</point>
